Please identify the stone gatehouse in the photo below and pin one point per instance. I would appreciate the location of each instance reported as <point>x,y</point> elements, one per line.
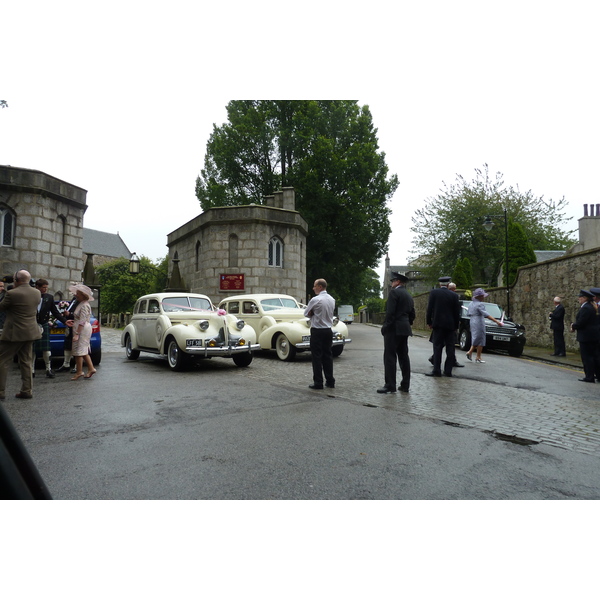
<point>244,249</point>
<point>41,227</point>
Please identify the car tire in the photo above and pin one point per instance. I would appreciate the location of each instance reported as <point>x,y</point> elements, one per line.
<point>242,360</point>
<point>337,350</point>
<point>516,352</point>
<point>285,350</point>
<point>464,340</point>
<point>130,353</point>
<point>176,358</point>
<point>96,356</point>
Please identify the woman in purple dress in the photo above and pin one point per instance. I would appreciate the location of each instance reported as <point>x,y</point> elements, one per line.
<point>478,315</point>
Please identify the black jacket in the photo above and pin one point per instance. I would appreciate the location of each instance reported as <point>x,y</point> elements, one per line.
<point>443,309</point>
<point>586,323</point>
<point>399,312</point>
<point>557,318</point>
<point>48,306</point>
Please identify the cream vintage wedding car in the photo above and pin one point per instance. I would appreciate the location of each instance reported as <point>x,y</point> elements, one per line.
<point>279,323</point>
<point>185,326</point>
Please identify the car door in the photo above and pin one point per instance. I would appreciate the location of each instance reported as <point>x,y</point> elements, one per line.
<point>152,312</point>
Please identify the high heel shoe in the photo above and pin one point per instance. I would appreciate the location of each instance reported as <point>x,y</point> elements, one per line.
<point>469,356</point>
<point>479,360</point>
<point>89,375</point>
<point>76,376</point>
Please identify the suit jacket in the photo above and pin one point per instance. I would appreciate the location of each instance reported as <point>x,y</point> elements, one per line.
<point>20,305</point>
<point>48,306</point>
<point>586,323</point>
<point>443,309</point>
<point>399,312</point>
<point>557,318</point>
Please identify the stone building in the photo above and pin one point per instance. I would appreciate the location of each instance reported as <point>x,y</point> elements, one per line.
<point>41,227</point>
<point>244,249</point>
<point>104,246</point>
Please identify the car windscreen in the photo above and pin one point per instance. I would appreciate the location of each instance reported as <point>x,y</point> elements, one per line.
<point>492,309</point>
<point>185,303</point>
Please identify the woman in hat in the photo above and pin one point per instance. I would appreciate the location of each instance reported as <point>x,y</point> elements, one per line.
<point>82,330</point>
<point>478,315</point>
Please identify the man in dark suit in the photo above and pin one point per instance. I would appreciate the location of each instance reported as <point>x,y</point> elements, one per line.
<point>586,326</point>
<point>557,324</point>
<point>399,316</point>
<point>443,317</point>
<point>19,332</point>
<point>45,308</point>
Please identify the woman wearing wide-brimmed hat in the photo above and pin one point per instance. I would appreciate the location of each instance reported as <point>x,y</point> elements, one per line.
<point>478,315</point>
<point>82,330</point>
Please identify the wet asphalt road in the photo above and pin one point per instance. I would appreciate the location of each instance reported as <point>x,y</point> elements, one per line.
<point>138,431</point>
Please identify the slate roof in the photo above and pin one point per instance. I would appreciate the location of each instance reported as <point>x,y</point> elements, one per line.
<point>102,243</point>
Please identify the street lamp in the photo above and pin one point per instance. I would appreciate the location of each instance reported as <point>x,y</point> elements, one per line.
<point>134,264</point>
<point>488,224</point>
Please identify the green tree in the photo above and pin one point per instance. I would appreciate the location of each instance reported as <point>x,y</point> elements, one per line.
<point>120,289</point>
<point>450,226</point>
<point>520,250</point>
<point>328,151</point>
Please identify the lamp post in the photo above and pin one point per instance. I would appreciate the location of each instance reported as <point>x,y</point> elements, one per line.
<point>488,224</point>
<point>134,264</point>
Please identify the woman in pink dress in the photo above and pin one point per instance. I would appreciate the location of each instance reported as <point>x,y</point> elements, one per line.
<point>82,330</point>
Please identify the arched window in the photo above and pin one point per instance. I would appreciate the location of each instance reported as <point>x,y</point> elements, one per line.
<point>275,252</point>
<point>7,226</point>
<point>198,248</point>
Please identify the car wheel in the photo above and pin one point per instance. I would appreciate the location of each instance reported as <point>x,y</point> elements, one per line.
<point>285,350</point>
<point>96,356</point>
<point>464,340</point>
<point>516,351</point>
<point>130,353</point>
<point>242,360</point>
<point>337,350</point>
<point>176,357</point>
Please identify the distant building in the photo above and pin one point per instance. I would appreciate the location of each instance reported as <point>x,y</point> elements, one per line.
<point>104,246</point>
<point>416,281</point>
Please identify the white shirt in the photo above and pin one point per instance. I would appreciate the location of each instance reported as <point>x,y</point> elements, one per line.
<point>320,310</point>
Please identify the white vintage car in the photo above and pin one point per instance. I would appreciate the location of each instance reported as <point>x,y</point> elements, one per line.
<point>280,324</point>
<point>183,326</point>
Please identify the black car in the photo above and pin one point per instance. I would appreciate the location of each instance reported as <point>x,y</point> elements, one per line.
<point>510,337</point>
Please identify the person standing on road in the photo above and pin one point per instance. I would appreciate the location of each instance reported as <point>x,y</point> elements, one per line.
<point>557,324</point>
<point>596,292</point>
<point>82,330</point>
<point>586,326</point>
<point>399,316</point>
<point>443,317</point>
<point>320,312</point>
<point>19,332</point>
<point>478,315</point>
<point>45,307</point>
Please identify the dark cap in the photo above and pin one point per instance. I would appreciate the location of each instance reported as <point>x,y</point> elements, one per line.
<point>595,291</point>
<point>399,276</point>
<point>445,279</point>
<point>586,294</point>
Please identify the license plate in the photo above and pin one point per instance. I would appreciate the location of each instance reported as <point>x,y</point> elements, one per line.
<point>57,331</point>
<point>501,338</point>
<point>306,338</point>
<point>193,343</point>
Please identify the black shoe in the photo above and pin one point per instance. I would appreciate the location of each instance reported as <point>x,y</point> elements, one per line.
<point>50,374</point>
<point>62,368</point>
<point>385,390</point>
<point>448,375</point>
<point>587,380</point>
<point>403,388</point>
<point>330,385</point>
<point>314,386</point>
<point>458,365</point>
<point>432,374</point>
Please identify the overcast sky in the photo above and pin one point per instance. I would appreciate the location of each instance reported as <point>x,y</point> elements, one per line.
<point>120,98</point>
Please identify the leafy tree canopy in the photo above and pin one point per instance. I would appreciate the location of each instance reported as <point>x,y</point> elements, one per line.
<point>520,250</point>
<point>120,289</point>
<point>450,226</point>
<point>328,151</point>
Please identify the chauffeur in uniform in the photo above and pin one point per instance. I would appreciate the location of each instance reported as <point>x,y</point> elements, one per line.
<point>586,326</point>
<point>399,316</point>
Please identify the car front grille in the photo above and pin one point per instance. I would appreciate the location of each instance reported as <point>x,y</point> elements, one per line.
<point>494,329</point>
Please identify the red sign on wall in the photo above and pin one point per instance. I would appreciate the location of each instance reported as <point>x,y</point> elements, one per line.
<point>231,282</point>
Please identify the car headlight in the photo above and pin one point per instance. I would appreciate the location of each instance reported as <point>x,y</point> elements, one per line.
<point>204,325</point>
<point>240,323</point>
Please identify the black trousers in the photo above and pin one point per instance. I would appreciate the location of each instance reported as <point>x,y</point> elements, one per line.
<point>588,358</point>
<point>559,341</point>
<point>444,338</point>
<point>395,348</point>
<point>322,358</point>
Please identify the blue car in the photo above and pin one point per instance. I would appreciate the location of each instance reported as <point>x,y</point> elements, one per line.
<point>57,339</point>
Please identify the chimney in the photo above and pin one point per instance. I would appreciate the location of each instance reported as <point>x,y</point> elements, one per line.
<point>289,198</point>
<point>585,212</point>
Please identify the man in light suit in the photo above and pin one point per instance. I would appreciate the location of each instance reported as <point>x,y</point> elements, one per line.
<point>19,332</point>
<point>443,316</point>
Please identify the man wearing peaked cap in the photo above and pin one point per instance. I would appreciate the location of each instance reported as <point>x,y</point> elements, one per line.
<point>588,335</point>
<point>399,316</point>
